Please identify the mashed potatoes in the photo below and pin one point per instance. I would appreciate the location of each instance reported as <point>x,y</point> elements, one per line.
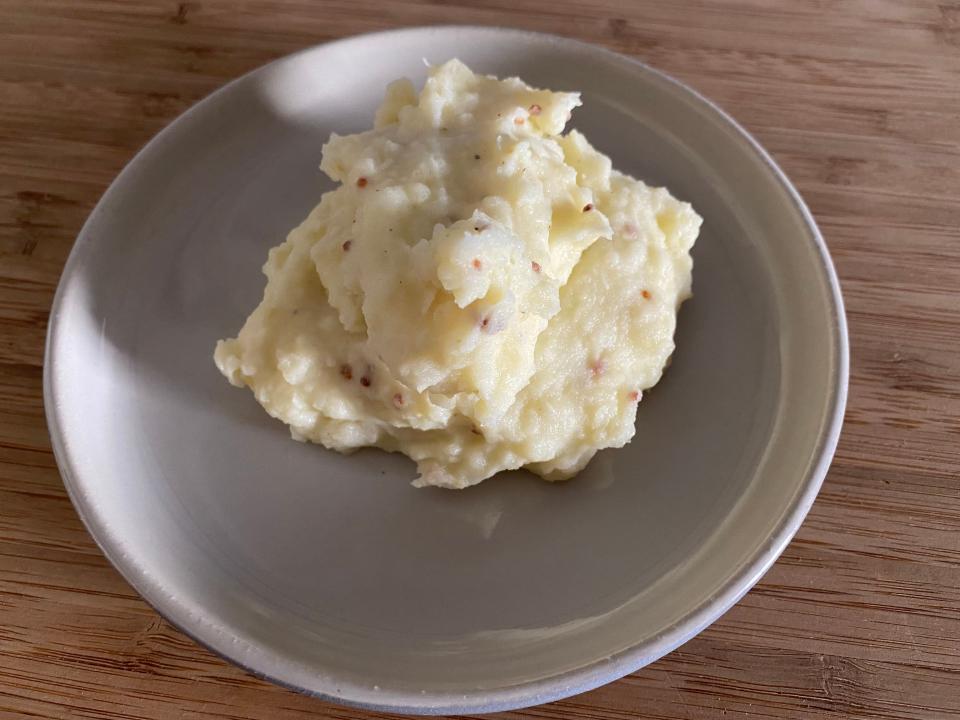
<point>480,293</point>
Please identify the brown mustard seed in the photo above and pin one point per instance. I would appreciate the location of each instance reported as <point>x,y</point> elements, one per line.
<point>588,207</point>
<point>347,372</point>
<point>477,264</point>
<point>361,182</point>
<point>347,245</point>
<point>365,381</point>
<point>646,294</point>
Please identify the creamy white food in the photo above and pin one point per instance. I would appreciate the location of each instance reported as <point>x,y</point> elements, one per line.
<point>481,292</point>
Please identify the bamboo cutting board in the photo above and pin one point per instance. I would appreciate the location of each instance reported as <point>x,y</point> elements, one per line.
<point>859,101</point>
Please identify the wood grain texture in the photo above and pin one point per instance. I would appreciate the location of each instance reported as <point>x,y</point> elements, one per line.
<point>859,100</point>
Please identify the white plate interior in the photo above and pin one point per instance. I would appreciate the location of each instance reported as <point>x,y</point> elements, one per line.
<point>331,573</point>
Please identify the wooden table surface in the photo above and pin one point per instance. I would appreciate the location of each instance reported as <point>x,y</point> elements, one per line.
<point>859,101</point>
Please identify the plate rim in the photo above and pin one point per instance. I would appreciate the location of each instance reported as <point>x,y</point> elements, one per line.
<point>526,693</point>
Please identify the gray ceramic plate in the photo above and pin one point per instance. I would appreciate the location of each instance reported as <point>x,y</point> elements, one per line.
<point>332,574</point>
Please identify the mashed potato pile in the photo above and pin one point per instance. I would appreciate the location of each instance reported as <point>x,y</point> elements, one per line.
<point>480,293</point>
